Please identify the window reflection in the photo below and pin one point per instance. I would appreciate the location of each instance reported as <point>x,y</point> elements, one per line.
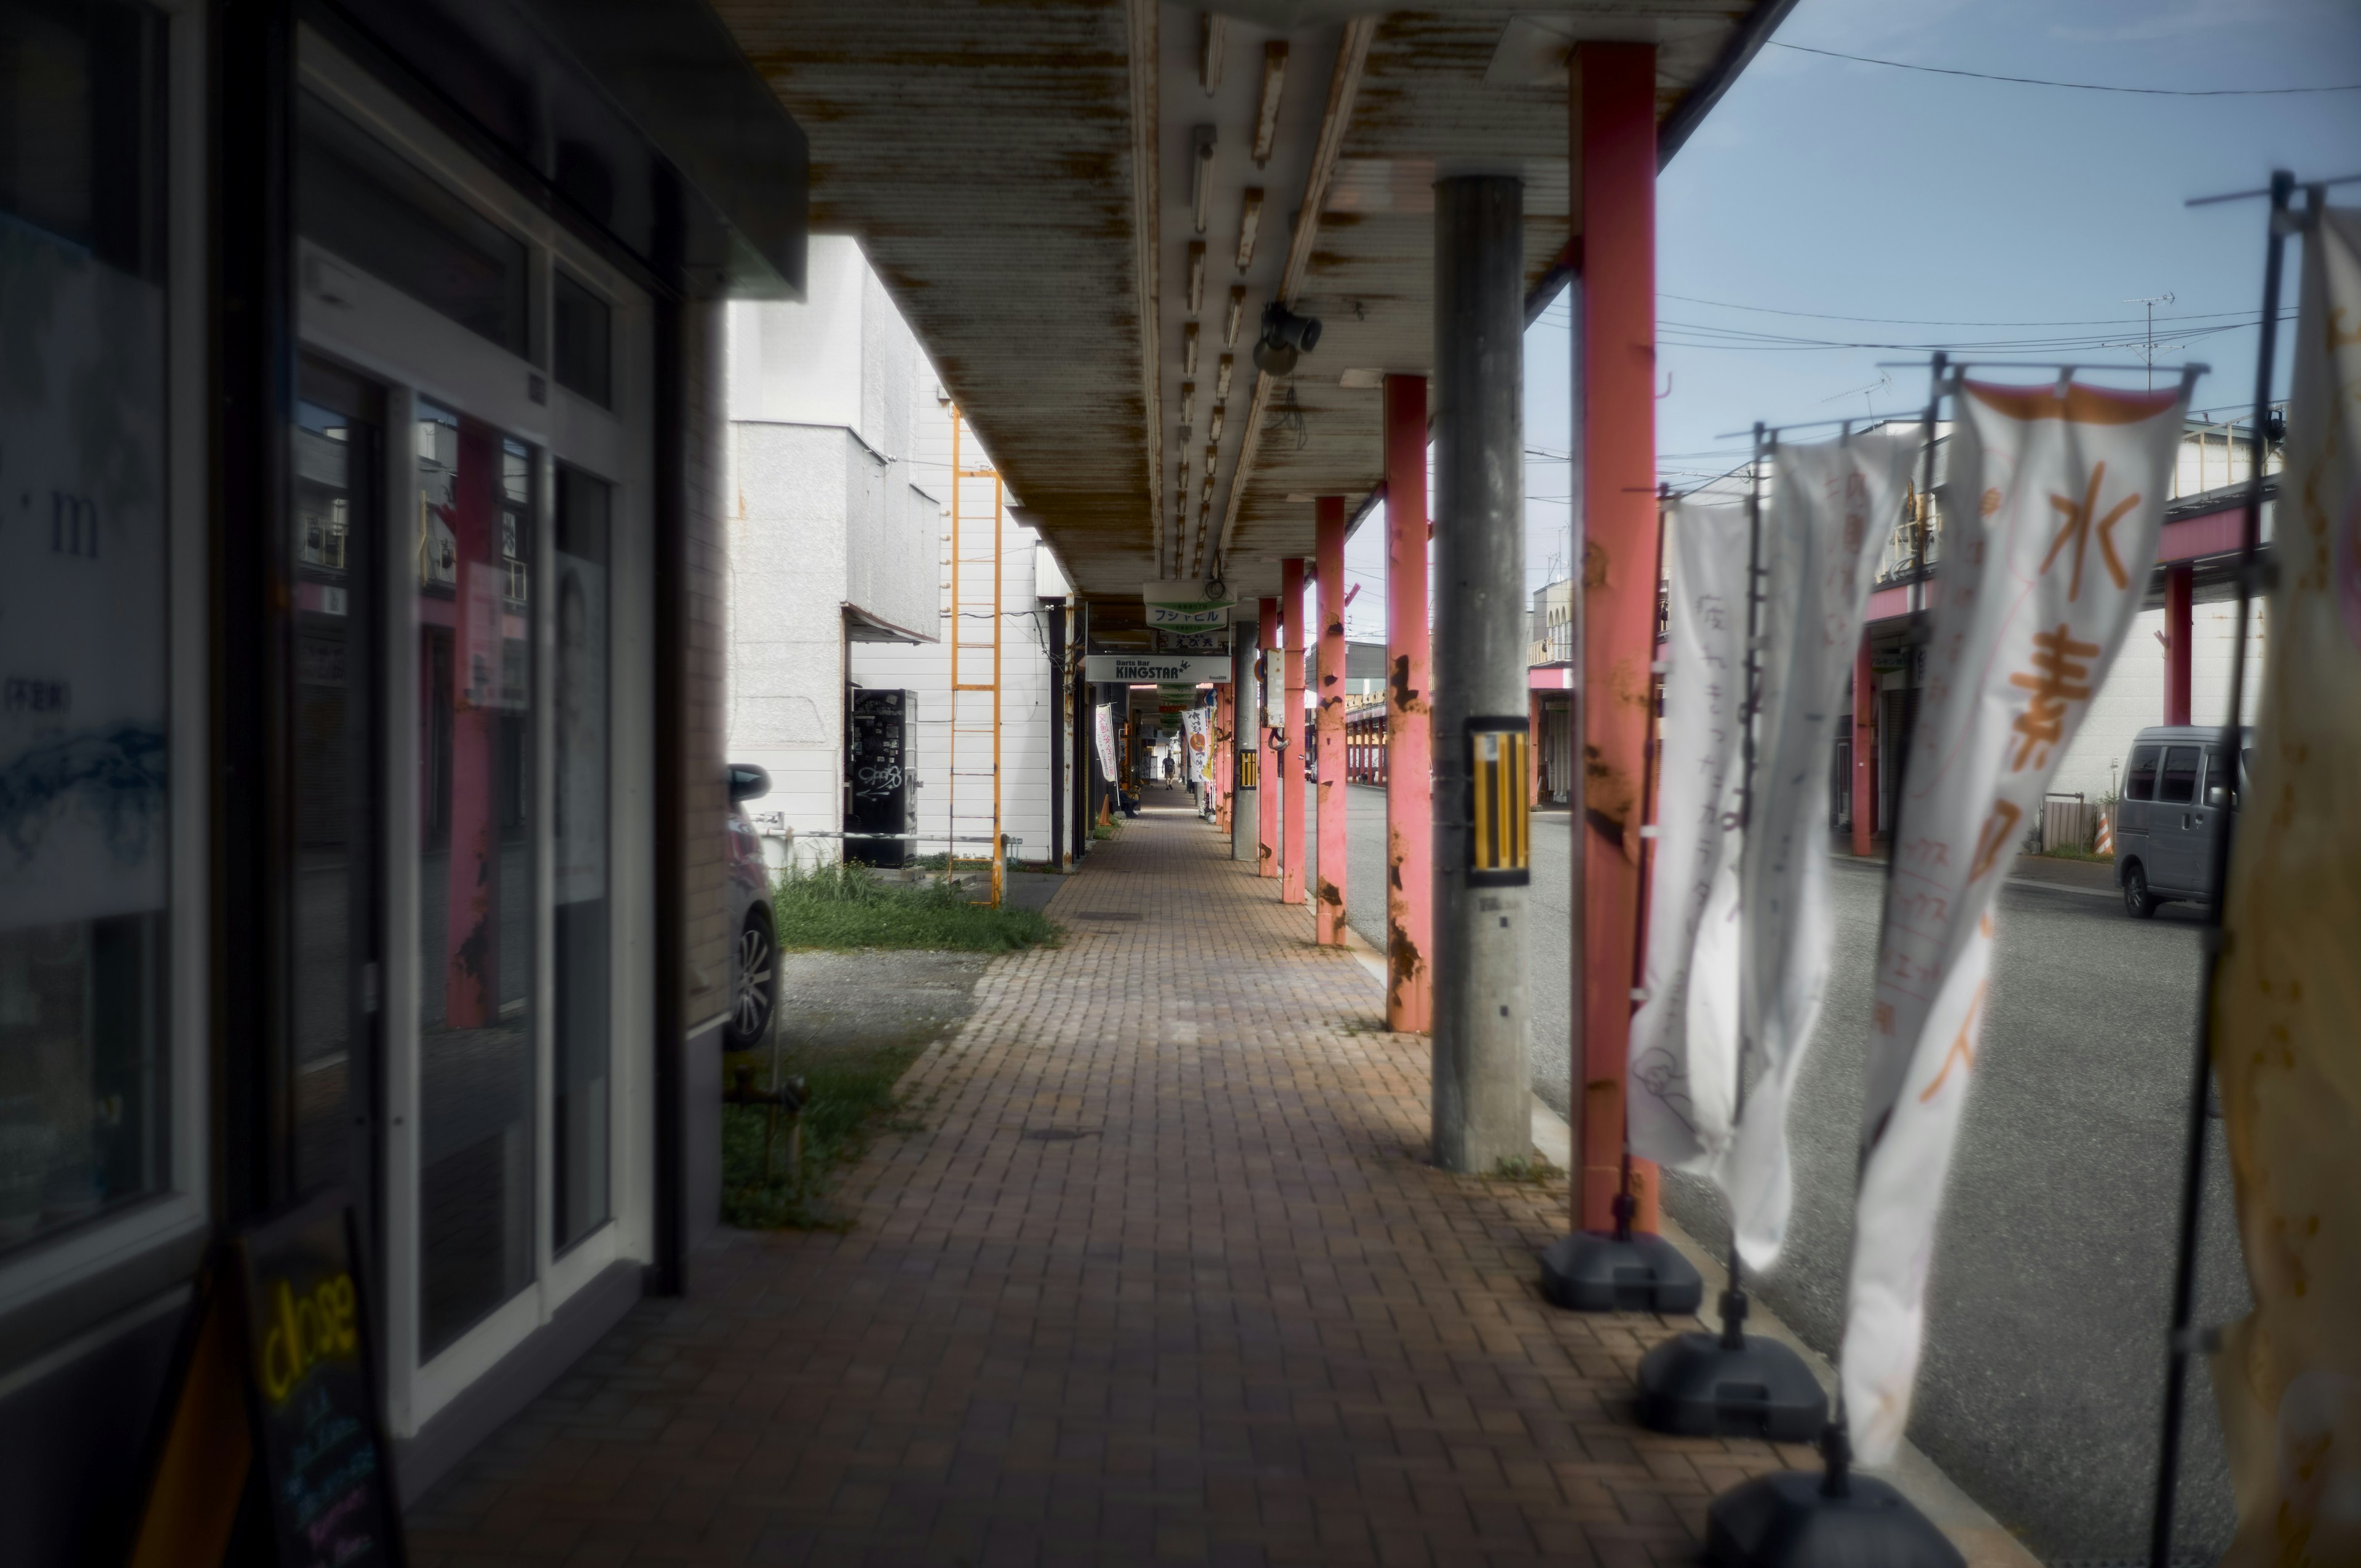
<point>83,832</point>
<point>335,458</point>
<point>475,935</point>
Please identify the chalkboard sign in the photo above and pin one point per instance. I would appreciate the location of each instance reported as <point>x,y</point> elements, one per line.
<point>310,1385</point>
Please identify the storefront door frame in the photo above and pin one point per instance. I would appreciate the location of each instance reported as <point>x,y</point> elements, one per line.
<point>415,353</point>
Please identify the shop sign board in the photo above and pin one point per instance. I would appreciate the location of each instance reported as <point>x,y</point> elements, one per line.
<point>1142,669</point>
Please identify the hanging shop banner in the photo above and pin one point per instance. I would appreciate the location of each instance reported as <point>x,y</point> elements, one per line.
<point>1683,1049</point>
<point>1215,641</point>
<point>2059,495</point>
<point>1837,503</point>
<point>1199,738</point>
<point>1184,607</point>
<point>1104,715</point>
<point>1155,669</point>
<point>2286,1004</point>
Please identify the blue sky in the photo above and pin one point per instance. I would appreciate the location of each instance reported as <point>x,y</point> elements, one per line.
<point>1836,189</point>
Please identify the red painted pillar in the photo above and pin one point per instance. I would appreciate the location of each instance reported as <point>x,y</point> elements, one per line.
<point>1410,742</point>
<point>1334,800</point>
<point>1295,839</point>
<point>1225,728</point>
<point>1533,714</point>
<point>1266,765</point>
<point>2179,626</point>
<point>1865,748</point>
<point>1615,148</point>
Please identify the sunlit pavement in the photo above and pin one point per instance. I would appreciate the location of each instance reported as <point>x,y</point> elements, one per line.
<point>1166,1279</point>
<point>2044,1379</point>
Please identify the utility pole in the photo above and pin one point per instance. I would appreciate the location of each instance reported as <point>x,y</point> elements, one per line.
<point>2148,346</point>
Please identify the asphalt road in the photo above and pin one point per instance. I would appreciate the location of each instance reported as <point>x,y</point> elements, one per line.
<point>2043,1381</point>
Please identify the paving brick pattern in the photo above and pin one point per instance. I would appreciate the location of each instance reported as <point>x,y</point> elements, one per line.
<point>1165,1279</point>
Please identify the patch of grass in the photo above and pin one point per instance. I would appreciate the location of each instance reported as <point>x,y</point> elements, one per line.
<point>842,908</point>
<point>1536,1170</point>
<point>849,1097</point>
<point>2073,853</point>
<point>1104,830</point>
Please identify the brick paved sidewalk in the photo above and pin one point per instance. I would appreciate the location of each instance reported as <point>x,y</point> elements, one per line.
<point>1165,1279</point>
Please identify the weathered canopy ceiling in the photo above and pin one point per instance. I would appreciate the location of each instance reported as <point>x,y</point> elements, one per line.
<point>1026,180</point>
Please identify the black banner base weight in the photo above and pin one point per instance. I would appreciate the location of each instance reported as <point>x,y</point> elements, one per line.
<point>1695,1385</point>
<point>1787,1520</point>
<point>1598,1271</point>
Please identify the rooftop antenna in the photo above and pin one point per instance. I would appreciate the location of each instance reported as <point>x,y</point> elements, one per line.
<point>1866,394</point>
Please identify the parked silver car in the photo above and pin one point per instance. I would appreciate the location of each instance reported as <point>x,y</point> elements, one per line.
<point>754,962</point>
<point>2180,794</point>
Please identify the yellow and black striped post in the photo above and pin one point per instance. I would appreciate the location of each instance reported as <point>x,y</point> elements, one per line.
<point>1500,845</point>
<point>1249,767</point>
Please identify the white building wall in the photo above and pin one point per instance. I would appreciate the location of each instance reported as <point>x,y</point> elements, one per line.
<point>1028,702</point>
<point>787,547</point>
<point>2131,698</point>
<point>831,401</point>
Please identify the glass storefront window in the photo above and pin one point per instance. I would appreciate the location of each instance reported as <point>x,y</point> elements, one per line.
<point>374,210</point>
<point>585,359</point>
<point>334,548</point>
<point>84,1082</point>
<point>475,927</point>
<point>578,833</point>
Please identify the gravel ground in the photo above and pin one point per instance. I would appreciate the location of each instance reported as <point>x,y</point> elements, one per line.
<point>861,1001</point>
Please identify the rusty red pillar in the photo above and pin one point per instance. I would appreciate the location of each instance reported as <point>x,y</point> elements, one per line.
<point>1266,780</point>
<point>1615,148</point>
<point>2179,626</point>
<point>1409,744</point>
<point>1328,545</point>
<point>1218,770</point>
<point>1295,839</point>
<point>1865,742</point>
<point>1534,714</point>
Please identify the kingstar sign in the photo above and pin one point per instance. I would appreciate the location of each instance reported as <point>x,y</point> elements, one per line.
<point>1142,669</point>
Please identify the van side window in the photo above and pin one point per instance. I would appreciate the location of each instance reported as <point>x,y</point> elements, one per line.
<point>2179,786</point>
<point>2139,779</point>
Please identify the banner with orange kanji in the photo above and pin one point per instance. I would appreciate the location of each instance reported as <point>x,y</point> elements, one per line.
<point>2053,501</point>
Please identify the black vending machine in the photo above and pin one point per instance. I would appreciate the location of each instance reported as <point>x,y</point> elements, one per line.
<point>881,783</point>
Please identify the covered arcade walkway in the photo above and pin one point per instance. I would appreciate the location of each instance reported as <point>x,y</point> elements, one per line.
<point>1166,1277</point>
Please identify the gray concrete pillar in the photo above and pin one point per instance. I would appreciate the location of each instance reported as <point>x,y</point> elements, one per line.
<point>1483,1099</point>
<point>1246,806</point>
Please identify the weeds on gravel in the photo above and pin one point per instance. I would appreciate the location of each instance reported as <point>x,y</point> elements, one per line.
<point>1536,1171</point>
<point>842,908</point>
<point>849,1097</point>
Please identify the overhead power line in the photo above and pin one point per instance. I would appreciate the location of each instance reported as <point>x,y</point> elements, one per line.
<point>1914,321</point>
<point>1690,334</point>
<point>2075,86</point>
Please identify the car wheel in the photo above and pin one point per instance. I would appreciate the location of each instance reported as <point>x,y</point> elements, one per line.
<point>2139,903</point>
<point>755,996</point>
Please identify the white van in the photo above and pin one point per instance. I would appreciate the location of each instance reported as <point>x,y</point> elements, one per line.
<point>2180,795</point>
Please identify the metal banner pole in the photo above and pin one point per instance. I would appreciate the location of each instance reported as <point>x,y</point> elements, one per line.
<point>2193,1174</point>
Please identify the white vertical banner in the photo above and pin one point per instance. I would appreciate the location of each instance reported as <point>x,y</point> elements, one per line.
<point>1683,1066</point>
<point>1196,739</point>
<point>1105,727</point>
<point>1837,503</point>
<point>2053,505</point>
<point>2286,1000</point>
